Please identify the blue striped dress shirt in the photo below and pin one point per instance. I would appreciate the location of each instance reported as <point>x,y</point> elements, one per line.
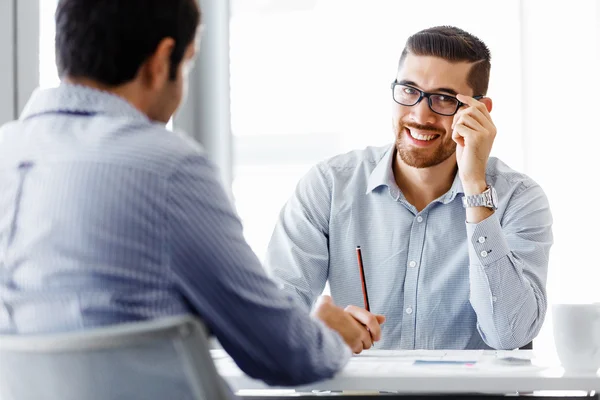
<point>441,283</point>
<point>107,217</point>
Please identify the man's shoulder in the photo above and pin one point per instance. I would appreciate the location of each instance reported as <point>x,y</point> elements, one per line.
<point>147,146</point>
<point>163,144</point>
<point>500,175</point>
<point>116,141</point>
<point>366,158</point>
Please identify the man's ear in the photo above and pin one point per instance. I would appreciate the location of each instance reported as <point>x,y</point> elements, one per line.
<point>156,69</point>
<point>488,103</point>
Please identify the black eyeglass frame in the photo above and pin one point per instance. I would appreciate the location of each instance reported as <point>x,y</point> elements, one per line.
<point>427,95</point>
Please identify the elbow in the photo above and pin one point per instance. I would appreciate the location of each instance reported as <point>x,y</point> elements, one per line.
<point>528,323</point>
<point>517,333</point>
<point>300,368</point>
<point>500,341</point>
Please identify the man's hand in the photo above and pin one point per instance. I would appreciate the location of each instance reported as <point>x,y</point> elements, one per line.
<point>371,321</point>
<point>474,133</point>
<point>354,333</point>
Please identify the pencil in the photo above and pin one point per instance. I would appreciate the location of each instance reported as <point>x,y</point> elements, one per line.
<point>362,278</point>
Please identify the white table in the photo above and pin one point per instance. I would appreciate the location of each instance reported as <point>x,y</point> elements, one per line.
<point>381,370</point>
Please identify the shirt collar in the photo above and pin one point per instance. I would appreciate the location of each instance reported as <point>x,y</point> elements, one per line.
<point>77,99</point>
<point>383,175</point>
<point>455,189</point>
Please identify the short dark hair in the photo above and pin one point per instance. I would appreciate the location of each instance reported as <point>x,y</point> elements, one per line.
<point>108,40</point>
<point>453,44</point>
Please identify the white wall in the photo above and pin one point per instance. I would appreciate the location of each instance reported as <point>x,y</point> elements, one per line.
<point>561,102</point>
<point>562,134</point>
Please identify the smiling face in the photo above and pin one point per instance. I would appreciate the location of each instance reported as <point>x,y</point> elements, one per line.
<point>424,138</point>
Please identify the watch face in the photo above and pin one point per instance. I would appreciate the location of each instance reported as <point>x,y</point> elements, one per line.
<point>494,197</point>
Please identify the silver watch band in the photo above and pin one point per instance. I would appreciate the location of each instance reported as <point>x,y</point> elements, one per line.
<point>476,200</point>
<point>486,199</point>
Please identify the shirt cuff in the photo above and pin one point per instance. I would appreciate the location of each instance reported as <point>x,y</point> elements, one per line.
<point>487,243</point>
<point>342,352</point>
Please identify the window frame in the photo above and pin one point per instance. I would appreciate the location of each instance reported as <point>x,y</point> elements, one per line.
<point>8,109</point>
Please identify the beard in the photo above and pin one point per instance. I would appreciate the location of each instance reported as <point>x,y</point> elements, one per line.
<point>423,157</point>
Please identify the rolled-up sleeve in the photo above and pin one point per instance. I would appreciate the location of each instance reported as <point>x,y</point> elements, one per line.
<point>509,267</point>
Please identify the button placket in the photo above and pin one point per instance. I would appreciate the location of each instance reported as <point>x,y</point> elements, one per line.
<point>415,251</point>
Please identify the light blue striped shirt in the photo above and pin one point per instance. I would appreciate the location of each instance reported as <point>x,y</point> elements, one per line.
<point>441,283</point>
<point>107,217</point>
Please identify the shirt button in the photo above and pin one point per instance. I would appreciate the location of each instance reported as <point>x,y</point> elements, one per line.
<point>481,239</point>
<point>409,310</point>
<point>494,298</point>
<point>419,219</point>
<point>412,264</point>
<point>484,254</point>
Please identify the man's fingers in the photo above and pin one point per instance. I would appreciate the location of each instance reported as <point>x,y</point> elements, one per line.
<point>367,340</point>
<point>456,136</point>
<point>357,334</point>
<point>367,319</point>
<point>361,338</point>
<point>463,132</point>
<point>470,122</point>
<point>380,318</point>
<point>470,101</point>
<point>482,117</point>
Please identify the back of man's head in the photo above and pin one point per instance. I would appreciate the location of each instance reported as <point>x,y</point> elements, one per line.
<point>454,45</point>
<point>108,40</point>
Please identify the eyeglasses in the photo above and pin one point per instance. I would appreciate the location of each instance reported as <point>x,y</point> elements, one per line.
<point>442,104</point>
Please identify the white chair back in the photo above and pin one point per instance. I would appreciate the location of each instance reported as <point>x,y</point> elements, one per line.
<point>160,359</point>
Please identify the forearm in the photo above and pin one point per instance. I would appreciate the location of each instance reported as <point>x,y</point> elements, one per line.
<point>217,273</point>
<point>509,303</point>
<point>283,345</point>
<point>300,273</point>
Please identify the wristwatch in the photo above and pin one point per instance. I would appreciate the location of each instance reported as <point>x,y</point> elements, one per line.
<point>488,199</point>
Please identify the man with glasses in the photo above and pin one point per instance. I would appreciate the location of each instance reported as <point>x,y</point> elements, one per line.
<point>454,243</point>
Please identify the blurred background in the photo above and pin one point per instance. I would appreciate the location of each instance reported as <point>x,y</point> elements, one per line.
<point>283,84</point>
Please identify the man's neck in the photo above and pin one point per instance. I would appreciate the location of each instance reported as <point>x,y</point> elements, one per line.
<point>421,186</point>
<point>127,91</point>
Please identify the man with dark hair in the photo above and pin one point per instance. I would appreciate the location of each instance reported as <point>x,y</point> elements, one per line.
<point>455,244</point>
<point>107,217</point>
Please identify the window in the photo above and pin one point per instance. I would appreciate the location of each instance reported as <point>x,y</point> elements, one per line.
<point>48,74</point>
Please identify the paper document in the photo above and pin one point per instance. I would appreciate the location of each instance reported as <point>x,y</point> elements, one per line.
<point>422,355</point>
